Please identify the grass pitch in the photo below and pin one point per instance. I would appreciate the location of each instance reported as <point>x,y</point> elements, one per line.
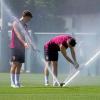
<point>35,90</point>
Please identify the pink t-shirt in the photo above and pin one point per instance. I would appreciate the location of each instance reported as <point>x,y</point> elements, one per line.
<point>53,44</point>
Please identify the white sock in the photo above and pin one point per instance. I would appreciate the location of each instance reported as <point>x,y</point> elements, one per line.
<point>12,77</point>
<point>17,76</point>
<point>46,79</point>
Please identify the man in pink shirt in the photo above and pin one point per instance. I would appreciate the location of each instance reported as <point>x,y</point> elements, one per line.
<point>18,45</point>
<point>51,48</point>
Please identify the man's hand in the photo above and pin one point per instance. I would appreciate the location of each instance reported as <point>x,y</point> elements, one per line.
<point>26,45</point>
<point>76,65</point>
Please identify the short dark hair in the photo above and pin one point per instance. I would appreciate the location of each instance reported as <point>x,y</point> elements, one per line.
<point>72,42</point>
<point>27,13</point>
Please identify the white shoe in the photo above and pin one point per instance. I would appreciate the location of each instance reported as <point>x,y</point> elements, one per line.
<point>21,85</point>
<point>17,86</point>
<point>13,85</point>
<point>55,84</point>
<point>46,83</point>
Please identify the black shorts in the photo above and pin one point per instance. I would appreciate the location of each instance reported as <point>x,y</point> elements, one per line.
<point>18,55</point>
<point>50,55</point>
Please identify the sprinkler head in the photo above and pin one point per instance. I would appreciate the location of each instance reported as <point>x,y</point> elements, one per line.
<point>61,84</point>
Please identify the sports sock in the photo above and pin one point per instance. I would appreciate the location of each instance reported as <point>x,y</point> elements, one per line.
<point>12,77</point>
<point>17,79</point>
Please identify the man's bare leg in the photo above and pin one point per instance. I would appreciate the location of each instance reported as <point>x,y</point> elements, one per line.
<point>17,73</point>
<point>46,73</point>
<point>54,70</point>
<point>12,73</point>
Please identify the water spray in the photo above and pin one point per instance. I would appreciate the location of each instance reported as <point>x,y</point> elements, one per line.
<point>67,81</point>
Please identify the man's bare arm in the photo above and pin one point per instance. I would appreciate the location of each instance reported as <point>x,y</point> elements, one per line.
<point>15,26</point>
<point>74,56</point>
<point>63,51</point>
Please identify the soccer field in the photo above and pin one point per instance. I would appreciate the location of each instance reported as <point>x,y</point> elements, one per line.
<point>35,90</point>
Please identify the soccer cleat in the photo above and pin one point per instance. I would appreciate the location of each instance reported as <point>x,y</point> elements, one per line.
<point>55,84</point>
<point>17,86</point>
<point>13,85</point>
<point>46,83</point>
<point>21,85</point>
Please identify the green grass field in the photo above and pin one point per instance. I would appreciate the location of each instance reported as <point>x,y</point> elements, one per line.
<point>81,89</point>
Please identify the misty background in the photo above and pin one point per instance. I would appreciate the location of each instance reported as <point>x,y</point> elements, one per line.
<point>80,18</point>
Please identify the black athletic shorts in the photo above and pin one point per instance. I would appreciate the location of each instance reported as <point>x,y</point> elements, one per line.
<point>17,55</point>
<point>50,55</point>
